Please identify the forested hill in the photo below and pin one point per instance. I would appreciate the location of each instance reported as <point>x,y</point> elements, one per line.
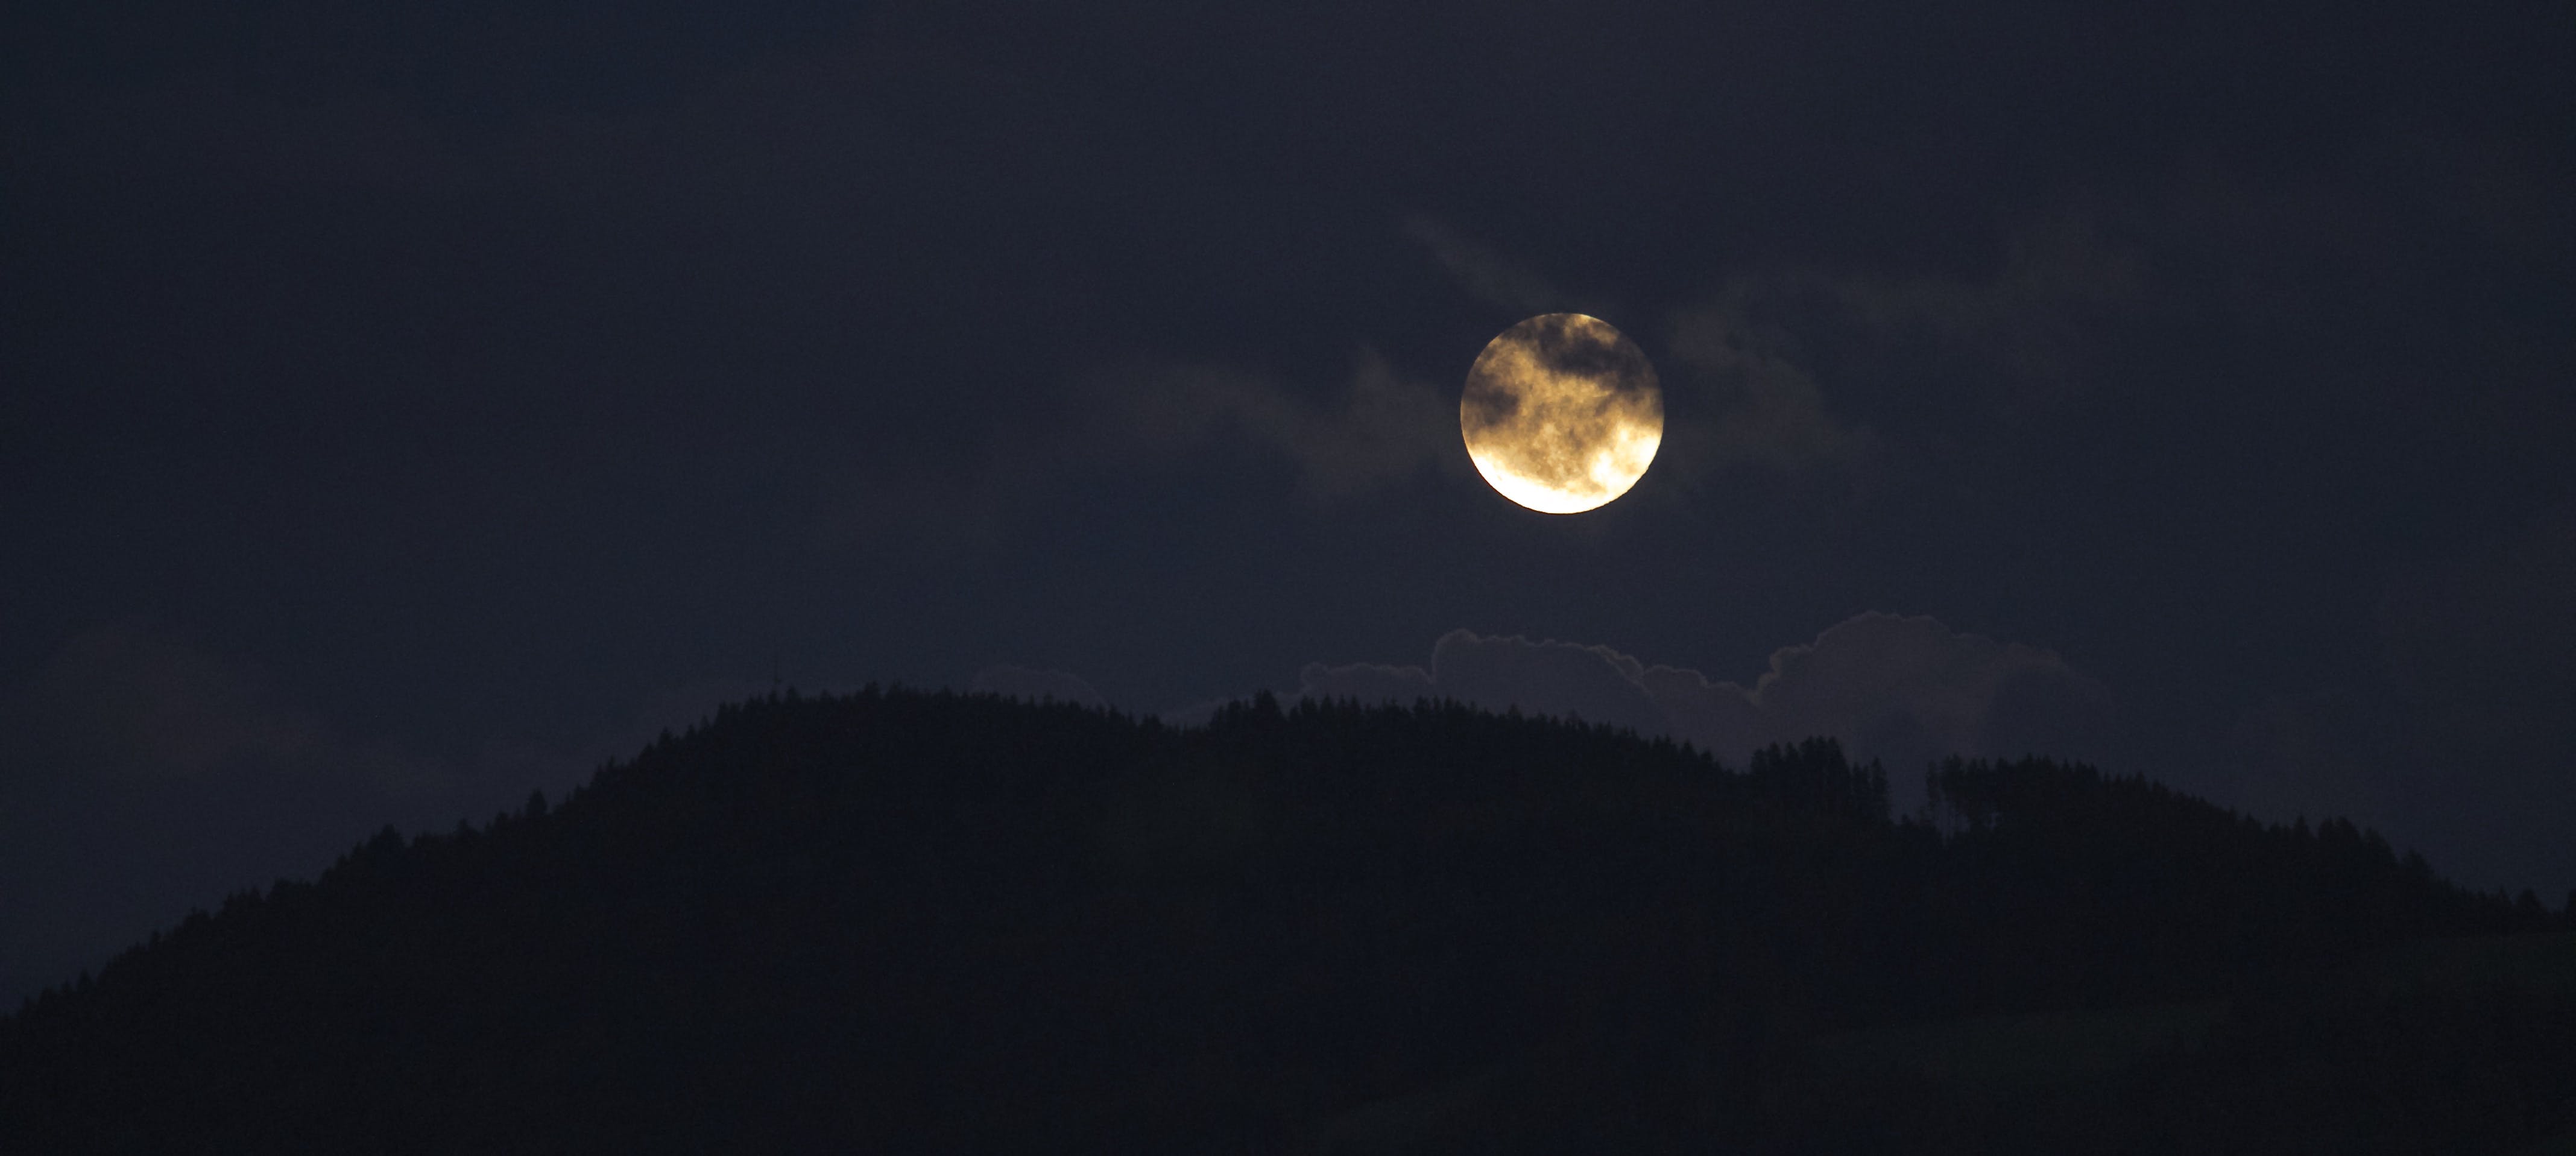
<point>900,921</point>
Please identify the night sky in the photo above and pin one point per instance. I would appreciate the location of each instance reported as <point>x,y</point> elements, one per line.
<point>403,407</point>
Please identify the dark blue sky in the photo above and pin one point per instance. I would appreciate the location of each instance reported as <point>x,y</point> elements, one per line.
<point>400,410</point>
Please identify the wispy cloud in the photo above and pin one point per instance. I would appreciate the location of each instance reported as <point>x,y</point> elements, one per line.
<point>1901,688</point>
<point>1485,272</point>
<point>1377,427</point>
<point>1754,350</point>
<point>123,703</point>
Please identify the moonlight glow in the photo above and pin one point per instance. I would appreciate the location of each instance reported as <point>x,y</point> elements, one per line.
<point>1562,413</point>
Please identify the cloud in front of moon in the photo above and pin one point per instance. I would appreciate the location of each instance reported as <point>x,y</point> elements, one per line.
<point>1562,413</point>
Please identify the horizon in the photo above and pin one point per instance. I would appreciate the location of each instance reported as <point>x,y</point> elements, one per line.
<point>1235,714</point>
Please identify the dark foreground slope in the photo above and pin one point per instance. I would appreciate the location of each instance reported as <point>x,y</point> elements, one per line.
<point>921,922</point>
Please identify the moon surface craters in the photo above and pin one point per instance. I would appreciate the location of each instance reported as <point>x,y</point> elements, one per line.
<point>1562,413</point>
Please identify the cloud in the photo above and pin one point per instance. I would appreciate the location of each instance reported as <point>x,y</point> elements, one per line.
<point>141,774</point>
<point>1765,350</point>
<point>1374,429</point>
<point>1784,365</point>
<point>1749,382</point>
<point>1367,682</point>
<point>1902,689</point>
<point>1378,427</point>
<point>121,703</point>
<point>2319,752</point>
<point>1034,685</point>
<point>1498,672</point>
<point>1485,273</point>
<point>2470,724</point>
<point>2059,275</point>
<point>1762,406</point>
<point>1194,714</point>
<point>1595,683</point>
<point>2488,644</point>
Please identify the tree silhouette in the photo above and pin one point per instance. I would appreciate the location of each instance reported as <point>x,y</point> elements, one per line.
<point>905,921</point>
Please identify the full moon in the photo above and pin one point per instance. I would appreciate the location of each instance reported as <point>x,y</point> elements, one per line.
<point>1562,413</point>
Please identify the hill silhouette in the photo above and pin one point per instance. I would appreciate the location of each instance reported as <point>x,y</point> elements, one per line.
<point>900,921</point>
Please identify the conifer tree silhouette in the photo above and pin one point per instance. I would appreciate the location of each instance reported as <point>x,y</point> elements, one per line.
<point>905,921</point>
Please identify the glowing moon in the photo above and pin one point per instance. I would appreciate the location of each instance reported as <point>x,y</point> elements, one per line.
<point>1562,413</point>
